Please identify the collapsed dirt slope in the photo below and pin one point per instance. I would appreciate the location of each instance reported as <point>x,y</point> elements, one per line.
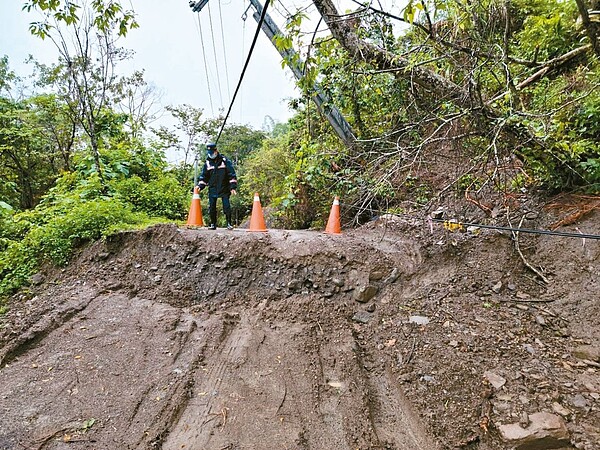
<point>378,338</point>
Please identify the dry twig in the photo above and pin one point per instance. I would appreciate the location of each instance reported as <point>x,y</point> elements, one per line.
<point>517,247</point>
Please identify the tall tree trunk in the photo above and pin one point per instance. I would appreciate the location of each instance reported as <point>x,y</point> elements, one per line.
<point>590,28</point>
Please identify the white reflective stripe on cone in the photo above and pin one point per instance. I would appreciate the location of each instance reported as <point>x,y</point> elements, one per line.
<point>256,198</point>
<point>336,202</point>
<point>195,196</point>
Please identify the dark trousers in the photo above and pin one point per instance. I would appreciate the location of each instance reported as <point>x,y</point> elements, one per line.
<point>212,208</point>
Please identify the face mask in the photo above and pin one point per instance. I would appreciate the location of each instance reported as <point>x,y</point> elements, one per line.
<point>212,155</point>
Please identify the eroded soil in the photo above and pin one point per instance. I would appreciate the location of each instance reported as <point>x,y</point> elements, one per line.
<point>181,338</point>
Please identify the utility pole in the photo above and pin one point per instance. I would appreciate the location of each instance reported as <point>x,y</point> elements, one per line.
<point>324,105</point>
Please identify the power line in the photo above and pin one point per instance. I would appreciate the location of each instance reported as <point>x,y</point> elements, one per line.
<point>453,225</point>
<point>260,22</point>
<point>224,52</point>
<point>212,109</point>
<point>449,224</point>
<point>212,35</point>
<point>244,17</point>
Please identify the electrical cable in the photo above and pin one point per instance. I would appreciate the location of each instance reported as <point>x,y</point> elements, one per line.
<point>244,17</point>
<point>212,35</point>
<point>456,225</point>
<point>459,225</point>
<point>224,51</point>
<point>258,28</point>
<point>212,109</point>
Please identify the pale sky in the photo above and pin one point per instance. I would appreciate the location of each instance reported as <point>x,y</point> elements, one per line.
<point>168,47</point>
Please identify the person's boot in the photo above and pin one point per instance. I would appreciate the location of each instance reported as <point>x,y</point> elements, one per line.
<point>212,226</point>
<point>229,226</point>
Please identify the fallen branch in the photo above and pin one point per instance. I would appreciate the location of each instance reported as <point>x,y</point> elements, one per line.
<point>517,247</point>
<point>518,300</point>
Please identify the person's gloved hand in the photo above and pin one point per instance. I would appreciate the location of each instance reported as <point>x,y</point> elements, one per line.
<point>233,192</point>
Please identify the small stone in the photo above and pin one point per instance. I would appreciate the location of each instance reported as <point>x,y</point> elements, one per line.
<point>579,401</point>
<point>427,378</point>
<point>153,268</point>
<point>157,279</point>
<point>37,279</point>
<point>545,431</point>
<point>529,348</point>
<point>522,295</point>
<point>524,419</point>
<point>371,308</point>
<point>365,293</point>
<point>376,275</point>
<point>393,276</point>
<point>588,352</point>
<point>495,380</point>
<point>419,320</point>
<point>560,409</point>
<point>338,282</point>
<point>497,287</point>
<point>531,215</point>
<point>453,343</point>
<point>362,317</point>
<point>540,320</point>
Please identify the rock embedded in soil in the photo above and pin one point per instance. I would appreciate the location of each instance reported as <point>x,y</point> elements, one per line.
<point>362,317</point>
<point>419,320</point>
<point>365,293</point>
<point>545,431</point>
<point>495,380</point>
<point>588,352</point>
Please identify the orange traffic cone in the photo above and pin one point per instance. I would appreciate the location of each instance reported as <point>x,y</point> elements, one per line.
<point>257,220</point>
<point>333,224</point>
<point>195,215</point>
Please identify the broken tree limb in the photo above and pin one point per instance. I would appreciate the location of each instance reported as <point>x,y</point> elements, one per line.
<point>439,86</point>
<point>518,248</point>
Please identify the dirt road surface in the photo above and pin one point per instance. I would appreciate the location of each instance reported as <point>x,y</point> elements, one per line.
<point>383,337</point>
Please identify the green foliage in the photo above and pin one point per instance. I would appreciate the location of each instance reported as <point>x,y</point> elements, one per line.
<point>266,170</point>
<point>547,28</point>
<point>54,239</point>
<point>163,197</point>
<point>79,209</point>
<point>107,14</point>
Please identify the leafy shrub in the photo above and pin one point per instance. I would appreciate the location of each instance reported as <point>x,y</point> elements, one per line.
<point>55,240</point>
<point>162,197</point>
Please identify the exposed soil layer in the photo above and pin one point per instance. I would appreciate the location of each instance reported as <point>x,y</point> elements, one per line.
<point>378,338</point>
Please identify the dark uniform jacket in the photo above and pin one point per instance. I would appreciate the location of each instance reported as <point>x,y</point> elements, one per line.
<point>219,176</point>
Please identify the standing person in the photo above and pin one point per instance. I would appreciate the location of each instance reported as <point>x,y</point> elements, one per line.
<point>219,176</point>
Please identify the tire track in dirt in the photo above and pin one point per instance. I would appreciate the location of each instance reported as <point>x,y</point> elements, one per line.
<point>121,362</point>
<point>282,384</point>
<point>43,327</point>
<point>271,359</point>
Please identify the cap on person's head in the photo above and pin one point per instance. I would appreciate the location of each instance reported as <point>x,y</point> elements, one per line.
<point>211,150</point>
